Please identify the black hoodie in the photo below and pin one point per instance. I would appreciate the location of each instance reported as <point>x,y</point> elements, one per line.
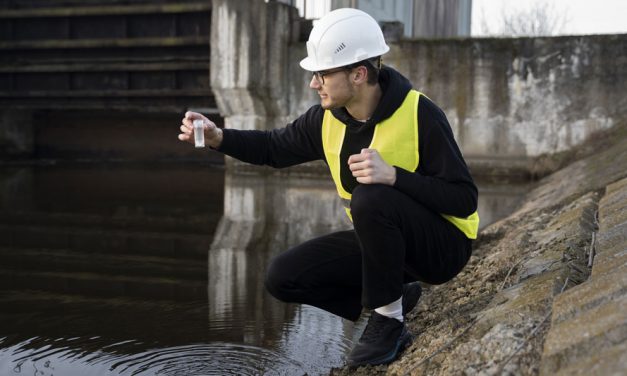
<point>441,183</point>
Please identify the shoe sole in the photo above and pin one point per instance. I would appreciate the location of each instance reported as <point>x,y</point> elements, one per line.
<point>404,342</point>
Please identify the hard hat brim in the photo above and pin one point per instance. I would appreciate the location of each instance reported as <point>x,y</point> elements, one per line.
<point>309,64</point>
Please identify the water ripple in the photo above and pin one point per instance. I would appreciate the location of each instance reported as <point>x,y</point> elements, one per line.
<point>219,358</point>
<point>208,359</point>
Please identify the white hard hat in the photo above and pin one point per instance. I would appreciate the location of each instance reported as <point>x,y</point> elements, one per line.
<point>343,37</point>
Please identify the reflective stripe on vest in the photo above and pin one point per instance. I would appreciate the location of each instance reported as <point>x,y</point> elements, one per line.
<point>396,140</point>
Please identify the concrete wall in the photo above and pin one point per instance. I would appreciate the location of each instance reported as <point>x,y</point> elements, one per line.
<point>508,100</point>
<point>522,97</point>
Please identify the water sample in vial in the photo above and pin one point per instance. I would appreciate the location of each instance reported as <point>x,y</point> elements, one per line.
<point>199,133</point>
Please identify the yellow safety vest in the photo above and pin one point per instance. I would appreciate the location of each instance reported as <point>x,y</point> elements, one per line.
<point>396,140</point>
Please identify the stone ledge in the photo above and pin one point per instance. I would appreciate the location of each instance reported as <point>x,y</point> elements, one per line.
<point>617,188</point>
<point>615,236</point>
<point>613,215</point>
<point>611,247</point>
<point>571,224</point>
<point>609,362</point>
<point>590,294</point>
<point>609,261</point>
<point>592,331</point>
<point>613,206</point>
<point>589,325</point>
<point>530,298</point>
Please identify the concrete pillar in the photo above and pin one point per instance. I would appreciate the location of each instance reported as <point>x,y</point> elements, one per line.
<point>249,61</point>
<point>16,133</point>
<point>249,78</point>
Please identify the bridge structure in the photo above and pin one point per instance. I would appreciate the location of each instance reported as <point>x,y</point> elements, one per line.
<point>97,58</point>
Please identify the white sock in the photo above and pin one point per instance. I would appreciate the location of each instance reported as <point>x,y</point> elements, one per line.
<point>393,310</point>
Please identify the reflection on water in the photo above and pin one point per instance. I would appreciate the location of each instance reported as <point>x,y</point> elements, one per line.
<point>107,271</point>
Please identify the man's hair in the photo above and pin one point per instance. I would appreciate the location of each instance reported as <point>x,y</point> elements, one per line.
<point>373,65</point>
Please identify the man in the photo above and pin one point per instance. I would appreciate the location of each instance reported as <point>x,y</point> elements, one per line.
<point>398,171</point>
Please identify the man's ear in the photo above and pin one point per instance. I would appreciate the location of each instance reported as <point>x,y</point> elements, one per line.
<point>361,74</point>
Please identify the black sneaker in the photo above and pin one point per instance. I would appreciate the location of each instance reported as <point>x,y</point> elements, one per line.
<point>381,342</point>
<point>411,294</point>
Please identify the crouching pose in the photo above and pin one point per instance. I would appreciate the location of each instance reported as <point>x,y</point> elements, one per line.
<point>400,175</point>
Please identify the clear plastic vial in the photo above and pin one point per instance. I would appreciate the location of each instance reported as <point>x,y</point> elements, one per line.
<point>199,133</point>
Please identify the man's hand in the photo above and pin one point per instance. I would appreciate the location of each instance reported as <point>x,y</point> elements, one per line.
<point>369,168</point>
<point>213,134</point>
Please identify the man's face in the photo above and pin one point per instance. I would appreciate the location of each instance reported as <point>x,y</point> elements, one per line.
<point>333,87</point>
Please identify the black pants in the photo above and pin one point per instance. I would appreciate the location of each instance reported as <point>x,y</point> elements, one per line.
<point>395,240</point>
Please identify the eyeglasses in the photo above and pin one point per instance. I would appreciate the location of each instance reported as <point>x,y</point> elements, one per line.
<point>319,76</point>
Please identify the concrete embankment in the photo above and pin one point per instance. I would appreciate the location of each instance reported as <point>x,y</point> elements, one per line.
<point>545,291</point>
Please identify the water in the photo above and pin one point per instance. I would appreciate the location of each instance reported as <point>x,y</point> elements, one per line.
<point>106,271</point>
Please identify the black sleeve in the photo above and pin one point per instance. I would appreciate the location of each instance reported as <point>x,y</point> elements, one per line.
<point>442,181</point>
<point>298,142</point>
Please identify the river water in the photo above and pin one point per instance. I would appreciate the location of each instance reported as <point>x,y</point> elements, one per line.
<point>105,270</point>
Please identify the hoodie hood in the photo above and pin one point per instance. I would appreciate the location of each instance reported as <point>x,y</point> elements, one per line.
<point>394,87</point>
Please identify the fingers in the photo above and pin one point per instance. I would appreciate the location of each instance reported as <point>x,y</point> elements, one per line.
<point>358,166</point>
<point>363,160</point>
<point>363,173</point>
<point>187,130</point>
<point>193,115</point>
<point>187,126</point>
<point>365,154</point>
<point>368,168</point>
<point>190,116</point>
<point>356,158</point>
<point>185,136</point>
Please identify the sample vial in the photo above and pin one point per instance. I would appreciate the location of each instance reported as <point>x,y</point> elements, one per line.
<point>199,133</point>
